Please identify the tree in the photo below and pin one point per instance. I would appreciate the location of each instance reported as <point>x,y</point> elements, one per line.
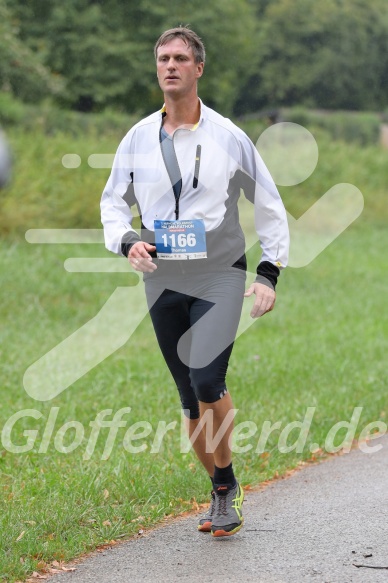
<point>324,54</point>
<point>103,50</point>
<point>22,72</point>
<point>92,54</point>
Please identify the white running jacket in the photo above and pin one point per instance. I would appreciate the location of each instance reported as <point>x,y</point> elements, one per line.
<point>210,189</point>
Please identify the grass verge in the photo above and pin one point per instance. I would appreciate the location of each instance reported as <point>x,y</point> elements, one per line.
<point>322,347</point>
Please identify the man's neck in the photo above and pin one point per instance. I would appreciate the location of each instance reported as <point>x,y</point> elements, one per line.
<point>181,112</point>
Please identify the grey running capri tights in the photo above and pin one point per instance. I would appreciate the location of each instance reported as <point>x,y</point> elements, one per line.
<point>195,319</point>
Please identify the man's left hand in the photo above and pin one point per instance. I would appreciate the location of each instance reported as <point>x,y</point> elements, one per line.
<point>264,301</point>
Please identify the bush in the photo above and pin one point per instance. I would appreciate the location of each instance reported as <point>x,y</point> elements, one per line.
<point>48,119</point>
<point>359,127</point>
<point>12,111</point>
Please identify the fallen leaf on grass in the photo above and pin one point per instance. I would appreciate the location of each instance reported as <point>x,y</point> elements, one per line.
<point>203,505</point>
<point>106,493</point>
<point>21,535</point>
<point>194,503</point>
<point>106,545</point>
<point>107,523</point>
<point>138,519</point>
<point>41,565</point>
<point>61,569</point>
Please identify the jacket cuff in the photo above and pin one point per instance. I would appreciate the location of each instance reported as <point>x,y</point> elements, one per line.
<point>267,273</point>
<point>127,241</point>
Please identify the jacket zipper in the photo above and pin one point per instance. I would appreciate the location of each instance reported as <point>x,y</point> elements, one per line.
<point>197,165</point>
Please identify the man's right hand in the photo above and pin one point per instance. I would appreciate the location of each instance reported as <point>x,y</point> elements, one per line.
<point>139,257</point>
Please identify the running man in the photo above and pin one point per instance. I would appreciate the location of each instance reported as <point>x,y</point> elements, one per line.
<point>183,167</point>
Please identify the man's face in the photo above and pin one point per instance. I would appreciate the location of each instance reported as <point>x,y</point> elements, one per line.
<point>176,69</point>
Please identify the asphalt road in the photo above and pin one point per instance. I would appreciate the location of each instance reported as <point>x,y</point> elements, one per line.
<point>314,526</point>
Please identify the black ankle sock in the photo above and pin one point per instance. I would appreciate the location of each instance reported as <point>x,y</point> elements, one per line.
<point>224,476</point>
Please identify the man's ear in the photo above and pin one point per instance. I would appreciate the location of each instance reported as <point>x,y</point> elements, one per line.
<point>200,67</point>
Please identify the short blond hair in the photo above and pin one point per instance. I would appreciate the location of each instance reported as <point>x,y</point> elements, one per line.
<point>188,36</point>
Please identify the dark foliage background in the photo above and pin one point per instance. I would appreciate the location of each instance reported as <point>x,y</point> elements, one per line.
<point>89,55</point>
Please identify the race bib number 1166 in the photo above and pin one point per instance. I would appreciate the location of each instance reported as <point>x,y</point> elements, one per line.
<point>180,239</point>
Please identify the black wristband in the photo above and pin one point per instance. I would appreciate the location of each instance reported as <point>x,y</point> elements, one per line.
<point>127,241</point>
<point>269,271</point>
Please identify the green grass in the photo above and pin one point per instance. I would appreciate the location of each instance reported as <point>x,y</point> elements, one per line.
<point>324,346</point>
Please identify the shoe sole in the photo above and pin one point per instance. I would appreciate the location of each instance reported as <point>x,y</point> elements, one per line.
<point>221,532</point>
<point>205,527</point>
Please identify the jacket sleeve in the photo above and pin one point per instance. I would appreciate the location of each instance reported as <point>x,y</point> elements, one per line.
<point>116,215</point>
<point>270,215</point>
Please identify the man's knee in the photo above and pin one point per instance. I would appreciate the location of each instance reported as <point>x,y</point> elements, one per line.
<point>207,389</point>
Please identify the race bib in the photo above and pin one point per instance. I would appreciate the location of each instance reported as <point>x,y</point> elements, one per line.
<point>180,239</point>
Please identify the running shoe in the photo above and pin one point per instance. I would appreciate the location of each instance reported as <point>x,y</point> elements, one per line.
<point>205,522</point>
<point>227,517</point>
